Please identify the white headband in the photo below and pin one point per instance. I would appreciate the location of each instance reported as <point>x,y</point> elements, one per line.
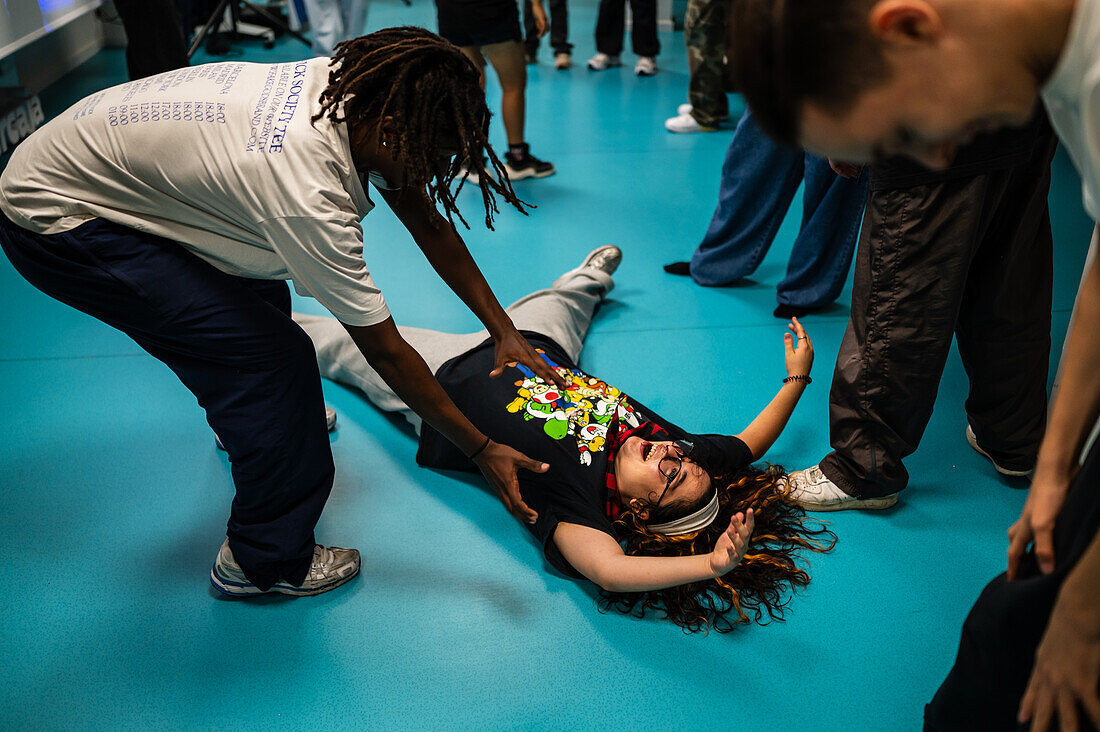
<point>692,522</point>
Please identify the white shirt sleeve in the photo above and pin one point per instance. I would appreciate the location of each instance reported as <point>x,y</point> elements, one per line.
<point>325,260</point>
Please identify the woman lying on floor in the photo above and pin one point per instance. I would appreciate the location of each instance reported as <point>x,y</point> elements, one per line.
<point>657,517</point>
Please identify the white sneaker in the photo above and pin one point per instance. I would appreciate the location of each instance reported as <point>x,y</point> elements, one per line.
<point>646,66</point>
<point>471,174</point>
<point>814,492</point>
<point>331,567</point>
<point>602,61</point>
<point>562,61</point>
<point>330,423</point>
<point>973,440</point>
<point>684,109</point>
<point>685,123</point>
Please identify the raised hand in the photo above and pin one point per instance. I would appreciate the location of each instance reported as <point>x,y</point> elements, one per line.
<point>732,544</point>
<point>801,359</point>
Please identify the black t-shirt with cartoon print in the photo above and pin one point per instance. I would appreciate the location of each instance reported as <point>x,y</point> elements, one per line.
<point>569,431</point>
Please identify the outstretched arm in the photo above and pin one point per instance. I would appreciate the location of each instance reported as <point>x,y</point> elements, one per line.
<point>765,429</point>
<point>451,260</point>
<point>599,557</point>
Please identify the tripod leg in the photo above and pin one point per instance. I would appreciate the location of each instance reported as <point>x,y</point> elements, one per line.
<point>277,21</point>
<point>214,19</point>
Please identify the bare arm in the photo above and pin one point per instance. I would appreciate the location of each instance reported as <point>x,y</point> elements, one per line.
<point>402,368</point>
<point>451,260</point>
<point>763,431</point>
<point>599,557</point>
<point>1075,412</point>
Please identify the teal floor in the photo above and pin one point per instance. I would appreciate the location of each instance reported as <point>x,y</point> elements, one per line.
<point>115,499</point>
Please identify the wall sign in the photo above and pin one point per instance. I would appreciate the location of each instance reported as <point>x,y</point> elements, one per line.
<point>20,122</point>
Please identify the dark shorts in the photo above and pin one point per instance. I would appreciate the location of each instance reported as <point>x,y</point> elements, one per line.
<point>478,24</point>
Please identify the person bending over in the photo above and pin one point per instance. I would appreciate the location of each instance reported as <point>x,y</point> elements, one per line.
<point>660,518</point>
<point>176,207</point>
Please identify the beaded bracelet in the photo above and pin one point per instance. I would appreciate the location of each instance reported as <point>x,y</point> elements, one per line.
<point>479,450</point>
<point>804,378</point>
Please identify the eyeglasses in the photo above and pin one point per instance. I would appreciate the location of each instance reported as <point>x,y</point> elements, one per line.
<point>670,464</point>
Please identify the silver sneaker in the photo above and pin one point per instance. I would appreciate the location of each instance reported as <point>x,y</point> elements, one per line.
<point>331,567</point>
<point>973,440</point>
<point>814,492</point>
<point>605,258</point>
<point>330,423</point>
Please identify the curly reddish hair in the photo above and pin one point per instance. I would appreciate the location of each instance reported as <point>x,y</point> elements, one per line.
<point>760,583</point>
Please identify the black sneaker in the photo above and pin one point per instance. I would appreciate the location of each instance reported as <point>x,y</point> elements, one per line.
<point>527,166</point>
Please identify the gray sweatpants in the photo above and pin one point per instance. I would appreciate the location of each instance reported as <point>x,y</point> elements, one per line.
<point>562,312</point>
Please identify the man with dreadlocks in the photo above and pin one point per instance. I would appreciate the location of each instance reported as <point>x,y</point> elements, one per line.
<point>175,208</point>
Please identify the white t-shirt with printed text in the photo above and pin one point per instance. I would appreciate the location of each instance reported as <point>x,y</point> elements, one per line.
<point>1072,97</point>
<point>221,158</point>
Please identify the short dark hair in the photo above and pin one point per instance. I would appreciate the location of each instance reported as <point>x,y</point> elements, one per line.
<point>784,53</point>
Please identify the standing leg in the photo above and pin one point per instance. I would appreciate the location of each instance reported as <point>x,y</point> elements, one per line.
<point>912,269</point>
<point>355,18</point>
<point>1004,324</point>
<point>705,38</point>
<point>832,209</point>
<point>910,273</point>
<point>474,54</point>
<point>611,27</point>
<point>249,366</point>
<point>507,60</point>
<point>326,20</point>
<point>559,26</point>
<point>759,179</point>
<point>643,37</point>
<point>155,41</point>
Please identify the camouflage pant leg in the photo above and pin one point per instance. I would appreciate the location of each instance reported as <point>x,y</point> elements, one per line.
<point>705,37</point>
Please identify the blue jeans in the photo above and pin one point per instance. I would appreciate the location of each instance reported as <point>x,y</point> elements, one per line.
<point>759,179</point>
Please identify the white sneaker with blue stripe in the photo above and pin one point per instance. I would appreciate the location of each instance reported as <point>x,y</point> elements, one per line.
<point>331,567</point>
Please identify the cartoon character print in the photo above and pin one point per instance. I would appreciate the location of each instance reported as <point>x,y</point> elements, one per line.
<point>584,411</point>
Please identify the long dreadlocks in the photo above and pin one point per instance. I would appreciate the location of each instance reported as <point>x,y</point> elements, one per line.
<point>432,93</point>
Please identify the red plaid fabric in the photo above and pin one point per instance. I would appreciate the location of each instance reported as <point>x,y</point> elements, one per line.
<point>647,431</point>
